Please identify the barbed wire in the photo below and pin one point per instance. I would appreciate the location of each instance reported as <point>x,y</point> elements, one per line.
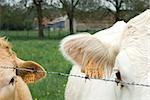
<point>78,76</point>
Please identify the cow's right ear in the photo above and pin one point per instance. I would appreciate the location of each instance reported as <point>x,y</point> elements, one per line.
<point>90,53</point>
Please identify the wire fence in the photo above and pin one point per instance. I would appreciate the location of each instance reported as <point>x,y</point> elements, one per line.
<point>78,76</point>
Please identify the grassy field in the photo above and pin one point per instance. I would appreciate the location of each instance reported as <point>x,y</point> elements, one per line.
<point>47,54</point>
<point>32,34</point>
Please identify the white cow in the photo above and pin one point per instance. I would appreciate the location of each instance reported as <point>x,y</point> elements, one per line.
<point>77,88</point>
<point>125,47</point>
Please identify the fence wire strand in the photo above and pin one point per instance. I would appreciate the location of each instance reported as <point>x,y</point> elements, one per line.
<point>78,76</point>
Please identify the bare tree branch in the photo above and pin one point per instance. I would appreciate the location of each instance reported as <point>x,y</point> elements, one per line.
<point>69,8</point>
<point>37,2</point>
<point>34,1</point>
<point>111,2</point>
<point>62,1</point>
<point>76,3</point>
<point>119,6</point>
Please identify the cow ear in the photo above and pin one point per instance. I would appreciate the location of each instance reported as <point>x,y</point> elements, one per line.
<point>90,53</point>
<point>30,71</point>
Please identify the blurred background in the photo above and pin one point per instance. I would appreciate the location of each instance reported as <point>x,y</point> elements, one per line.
<point>35,28</point>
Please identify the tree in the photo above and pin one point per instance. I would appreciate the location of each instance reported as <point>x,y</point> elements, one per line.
<point>117,5</point>
<point>69,7</point>
<point>89,5</point>
<point>12,18</point>
<point>0,15</point>
<point>140,5</point>
<point>90,10</point>
<point>38,4</point>
<point>2,2</point>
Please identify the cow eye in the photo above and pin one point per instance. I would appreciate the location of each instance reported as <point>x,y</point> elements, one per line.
<point>12,81</point>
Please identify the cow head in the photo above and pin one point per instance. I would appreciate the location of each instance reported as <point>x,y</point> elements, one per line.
<point>11,69</point>
<point>131,57</point>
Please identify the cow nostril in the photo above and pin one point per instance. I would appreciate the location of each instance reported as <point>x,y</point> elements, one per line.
<point>12,81</point>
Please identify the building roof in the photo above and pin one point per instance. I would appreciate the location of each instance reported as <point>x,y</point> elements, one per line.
<point>59,19</point>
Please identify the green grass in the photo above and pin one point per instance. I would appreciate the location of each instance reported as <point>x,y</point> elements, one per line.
<point>46,53</point>
<point>32,34</point>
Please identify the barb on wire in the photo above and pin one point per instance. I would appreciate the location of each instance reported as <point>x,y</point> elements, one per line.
<point>77,76</point>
